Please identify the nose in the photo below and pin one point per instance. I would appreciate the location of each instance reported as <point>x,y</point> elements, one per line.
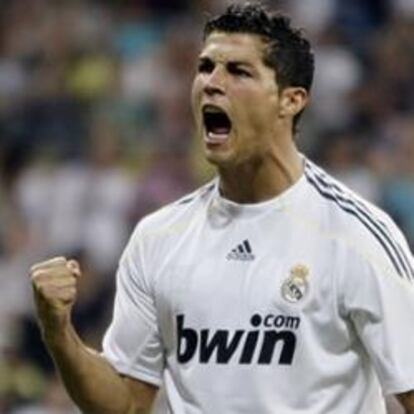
<point>215,83</point>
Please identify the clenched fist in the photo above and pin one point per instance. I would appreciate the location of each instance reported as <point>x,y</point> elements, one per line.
<point>55,290</point>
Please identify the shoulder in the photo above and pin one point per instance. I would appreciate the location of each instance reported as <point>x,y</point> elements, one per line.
<point>157,233</point>
<point>342,202</point>
<point>364,227</point>
<point>177,214</point>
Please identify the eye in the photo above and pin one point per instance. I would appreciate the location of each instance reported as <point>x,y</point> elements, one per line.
<point>238,71</point>
<point>205,66</point>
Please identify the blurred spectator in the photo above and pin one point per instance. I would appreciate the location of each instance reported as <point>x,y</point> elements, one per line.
<point>398,190</point>
<point>343,156</point>
<point>54,401</point>
<point>20,381</point>
<point>358,19</point>
<point>137,32</point>
<point>15,293</point>
<point>403,7</point>
<point>338,72</point>
<point>315,16</point>
<point>167,178</point>
<point>81,204</point>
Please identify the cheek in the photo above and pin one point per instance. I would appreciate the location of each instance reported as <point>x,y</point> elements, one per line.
<point>254,108</point>
<point>249,97</point>
<point>263,109</point>
<point>196,96</point>
<point>196,93</point>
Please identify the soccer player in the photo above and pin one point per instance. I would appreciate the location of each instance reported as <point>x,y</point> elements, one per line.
<point>272,289</point>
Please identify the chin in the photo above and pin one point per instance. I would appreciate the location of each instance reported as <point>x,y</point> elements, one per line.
<point>220,155</point>
<point>219,160</point>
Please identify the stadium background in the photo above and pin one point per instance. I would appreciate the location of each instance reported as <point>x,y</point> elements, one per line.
<point>95,132</point>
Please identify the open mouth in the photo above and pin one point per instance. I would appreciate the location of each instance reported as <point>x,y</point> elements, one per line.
<point>217,124</point>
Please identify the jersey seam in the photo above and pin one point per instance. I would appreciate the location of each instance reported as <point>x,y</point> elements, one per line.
<point>396,387</point>
<point>139,373</point>
<point>369,257</point>
<point>392,242</point>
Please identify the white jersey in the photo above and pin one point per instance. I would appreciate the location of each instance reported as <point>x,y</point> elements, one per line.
<point>300,304</point>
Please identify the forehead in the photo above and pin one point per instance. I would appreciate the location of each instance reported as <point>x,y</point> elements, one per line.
<point>224,47</point>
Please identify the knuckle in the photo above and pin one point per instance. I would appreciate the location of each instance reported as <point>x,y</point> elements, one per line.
<point>55,261</point>
<point>39,274</point>
<point>58,261</point>
<point>51,274</point>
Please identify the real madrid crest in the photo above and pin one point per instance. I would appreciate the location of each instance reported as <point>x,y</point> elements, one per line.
<point>296,286</point>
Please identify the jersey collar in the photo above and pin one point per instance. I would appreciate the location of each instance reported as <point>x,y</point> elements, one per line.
<point>281,202</point>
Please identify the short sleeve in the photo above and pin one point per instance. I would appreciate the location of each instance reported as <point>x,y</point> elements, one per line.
<point>132,343</point>
<point>379,302</point>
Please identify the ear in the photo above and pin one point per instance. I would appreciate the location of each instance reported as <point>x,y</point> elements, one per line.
<point>292,101</point>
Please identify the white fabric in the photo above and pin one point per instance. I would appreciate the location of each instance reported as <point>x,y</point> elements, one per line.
<point>327,352</point>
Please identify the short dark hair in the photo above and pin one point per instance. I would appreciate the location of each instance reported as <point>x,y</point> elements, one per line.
<point>288,52</point>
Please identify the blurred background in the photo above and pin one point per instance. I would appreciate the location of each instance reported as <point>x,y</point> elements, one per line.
<point>95,132</point>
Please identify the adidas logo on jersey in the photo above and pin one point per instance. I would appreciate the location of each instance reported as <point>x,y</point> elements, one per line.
<point>242,252</point>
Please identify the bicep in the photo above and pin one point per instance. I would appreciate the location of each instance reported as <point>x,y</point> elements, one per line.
<point>407,401</point>
<point>143,394</point>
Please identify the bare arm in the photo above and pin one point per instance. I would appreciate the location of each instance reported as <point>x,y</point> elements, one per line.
<point>407,401</point>
<point>89,379</point>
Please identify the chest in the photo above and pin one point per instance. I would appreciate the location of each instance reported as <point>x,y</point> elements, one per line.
<point>244,277</point>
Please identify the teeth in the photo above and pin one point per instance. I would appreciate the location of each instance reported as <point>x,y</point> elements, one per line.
<point>216,138</point>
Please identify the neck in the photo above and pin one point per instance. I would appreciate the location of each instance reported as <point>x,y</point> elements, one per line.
<point>263,179</point>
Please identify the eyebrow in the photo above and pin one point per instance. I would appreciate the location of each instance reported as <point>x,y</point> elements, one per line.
<point>230,62</point>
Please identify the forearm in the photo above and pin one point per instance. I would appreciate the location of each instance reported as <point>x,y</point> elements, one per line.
<point>89,379</point>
